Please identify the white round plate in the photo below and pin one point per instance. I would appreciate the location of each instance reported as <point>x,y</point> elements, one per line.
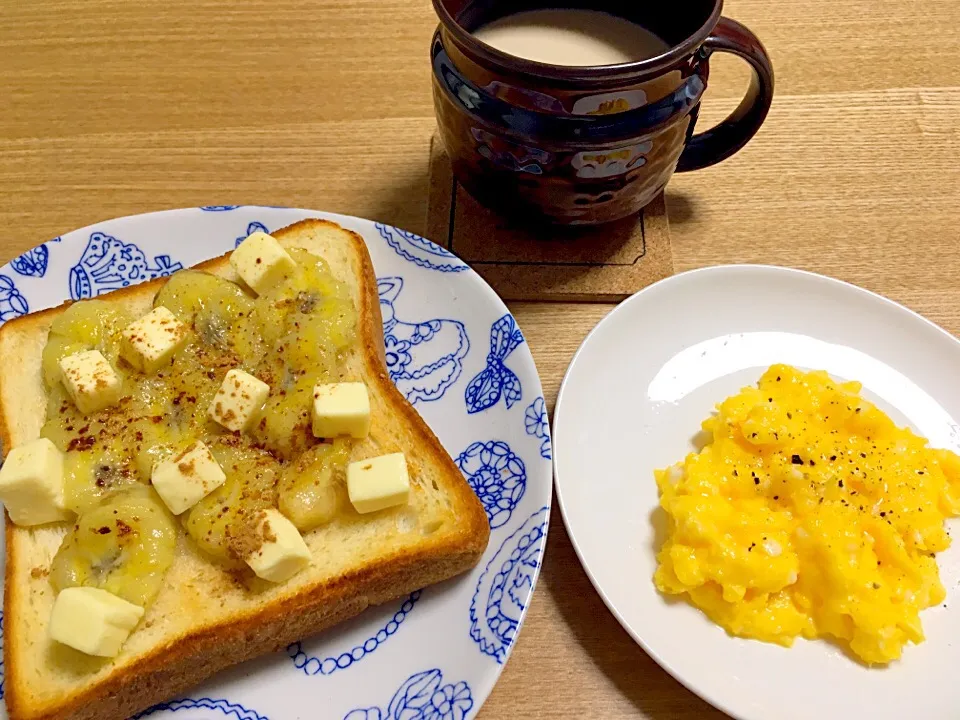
<point>633,400</point>
<point>456,353</point>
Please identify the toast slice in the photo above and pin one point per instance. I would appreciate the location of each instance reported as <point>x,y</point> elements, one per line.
<point>203,620</point>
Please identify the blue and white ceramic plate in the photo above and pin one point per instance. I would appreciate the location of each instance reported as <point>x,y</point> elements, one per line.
<point>459,357</point>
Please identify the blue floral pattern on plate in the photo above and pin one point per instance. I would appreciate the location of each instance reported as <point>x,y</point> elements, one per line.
<point>218,208</point>
<point>420,251</point>
<point>12,301</point>
<point>251,229</point>
<point>33,263</point>
<point>423,358</point>
<point>312,665</point>
<point>422,697</point>
<point>110,264</point>
<point>497,476</point>
<point>496,380</point>
<point>537,423</point>
<point>504,587</point>
<point>224,708</point>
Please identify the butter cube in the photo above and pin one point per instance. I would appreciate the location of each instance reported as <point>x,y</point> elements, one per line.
<point>187,478</point>
<point>92,620</point>
<point>262,262</point>
<point>341,409</point>
<point>150,342</point>
<point>238,400</point>
<point>378,483</point>
<point>31,484</point>
<point>282,553</point>
<point>90,380</point>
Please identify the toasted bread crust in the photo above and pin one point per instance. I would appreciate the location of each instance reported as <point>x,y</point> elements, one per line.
<point>171,669</point>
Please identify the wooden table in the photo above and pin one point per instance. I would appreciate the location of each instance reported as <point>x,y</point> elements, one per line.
<point>109,108</point>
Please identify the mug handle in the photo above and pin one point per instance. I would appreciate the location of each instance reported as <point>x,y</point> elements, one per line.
<point>720,142</point>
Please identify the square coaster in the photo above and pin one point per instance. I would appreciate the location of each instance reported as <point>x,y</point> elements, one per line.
<point>602,263</point>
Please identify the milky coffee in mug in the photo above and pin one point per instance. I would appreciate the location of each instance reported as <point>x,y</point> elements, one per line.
<point>571,36</point>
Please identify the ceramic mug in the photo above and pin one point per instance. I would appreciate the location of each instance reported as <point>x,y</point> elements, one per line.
<point>587,145</point>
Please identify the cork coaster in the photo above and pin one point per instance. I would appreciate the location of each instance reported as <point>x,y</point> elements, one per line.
<point>606,263</point>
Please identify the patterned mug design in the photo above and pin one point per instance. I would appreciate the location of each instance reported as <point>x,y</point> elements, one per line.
<point>525,109</point>
<point>609,163</point>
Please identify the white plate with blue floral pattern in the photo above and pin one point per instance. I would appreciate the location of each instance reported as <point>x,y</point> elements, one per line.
<point>456,353</point>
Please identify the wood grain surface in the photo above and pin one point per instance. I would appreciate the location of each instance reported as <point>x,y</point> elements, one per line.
<point>112,107</point>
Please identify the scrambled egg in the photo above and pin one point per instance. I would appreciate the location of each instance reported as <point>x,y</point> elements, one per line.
<point>809,513</point>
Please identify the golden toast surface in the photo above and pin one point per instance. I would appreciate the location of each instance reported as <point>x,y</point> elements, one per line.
<point>203,619</point>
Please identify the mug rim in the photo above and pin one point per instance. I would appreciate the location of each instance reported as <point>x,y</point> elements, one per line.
<point>513,63</point>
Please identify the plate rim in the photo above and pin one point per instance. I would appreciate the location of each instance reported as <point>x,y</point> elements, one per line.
<point>494,671</point>
<point>759,268</point>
